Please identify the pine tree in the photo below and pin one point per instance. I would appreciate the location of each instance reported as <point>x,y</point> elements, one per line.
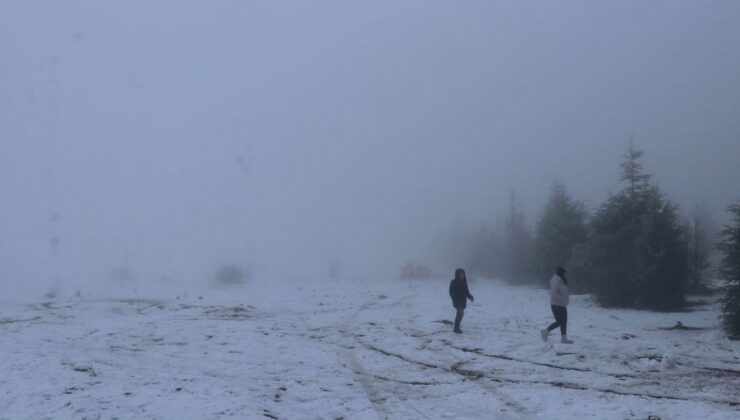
<point>730,272</point>
<point>637,252</point>
<point>632,172</point>
<point>560,230</point>
<point>662,269</point>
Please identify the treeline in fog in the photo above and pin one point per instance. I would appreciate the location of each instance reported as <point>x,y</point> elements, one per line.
<point>636,249</point>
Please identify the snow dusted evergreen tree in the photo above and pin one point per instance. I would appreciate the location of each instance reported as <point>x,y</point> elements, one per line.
<point>561,229</point>
<point>730,272</point>
<point>638,246</point>
<point>632,172</point>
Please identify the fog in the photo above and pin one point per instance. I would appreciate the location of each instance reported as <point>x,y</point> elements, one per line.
<point>173,137</point>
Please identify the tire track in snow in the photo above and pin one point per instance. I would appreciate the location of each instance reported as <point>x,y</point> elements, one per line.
<point>562,384</point>
<point>578,387</point>
<point>570,385</point>
<point>502,397</point>
<point>363,376</point>
<point>509,402</point>
<point>507,358</point>
<point>5,321</point>
<point>373,392</point>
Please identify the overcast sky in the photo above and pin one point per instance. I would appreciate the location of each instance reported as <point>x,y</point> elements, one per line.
<point>180,135</point>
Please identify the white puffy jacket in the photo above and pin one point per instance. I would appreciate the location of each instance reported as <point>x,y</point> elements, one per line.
<point>559,294</point>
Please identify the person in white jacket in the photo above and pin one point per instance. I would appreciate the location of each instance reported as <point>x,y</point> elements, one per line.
<point>559,299</point>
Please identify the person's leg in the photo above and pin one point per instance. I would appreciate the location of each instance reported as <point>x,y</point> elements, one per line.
<point>556,314</point>
<point>564,322</point>
<point>458,318</point>
<point>559,318</point>
<point>544,333</point>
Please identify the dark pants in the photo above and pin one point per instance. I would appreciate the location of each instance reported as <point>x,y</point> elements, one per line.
<point>561,319</point>
<point>458,318</point>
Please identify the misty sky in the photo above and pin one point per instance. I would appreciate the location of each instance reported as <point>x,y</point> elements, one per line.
<point>174,136</point>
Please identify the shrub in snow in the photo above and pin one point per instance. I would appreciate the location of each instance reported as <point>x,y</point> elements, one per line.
<point>231,275</point>
<point>730,272</point>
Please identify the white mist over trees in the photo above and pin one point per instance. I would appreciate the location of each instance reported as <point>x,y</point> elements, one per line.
<point>635,251</point>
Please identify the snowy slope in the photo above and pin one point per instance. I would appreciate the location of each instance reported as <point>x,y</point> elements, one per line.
<point>342,350</point>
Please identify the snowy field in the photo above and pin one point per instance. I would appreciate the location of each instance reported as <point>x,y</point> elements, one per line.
<point>343,350</point>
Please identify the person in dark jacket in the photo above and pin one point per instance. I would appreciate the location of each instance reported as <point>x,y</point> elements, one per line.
<point>460,294</point>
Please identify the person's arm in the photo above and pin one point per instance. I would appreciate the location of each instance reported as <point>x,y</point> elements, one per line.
<point>467,291</point>
<point>555,287</point>
<point>561,291</point>
<point>564,290</point>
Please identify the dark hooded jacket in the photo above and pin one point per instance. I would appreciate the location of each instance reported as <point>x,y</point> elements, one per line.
<point>459,292</point>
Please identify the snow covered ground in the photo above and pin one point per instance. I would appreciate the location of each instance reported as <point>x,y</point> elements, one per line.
<point>346,350</point>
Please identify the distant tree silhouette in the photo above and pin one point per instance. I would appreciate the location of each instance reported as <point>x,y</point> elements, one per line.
<point>561,229</point>
<point>699,240</point>
<point>518,245</point>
